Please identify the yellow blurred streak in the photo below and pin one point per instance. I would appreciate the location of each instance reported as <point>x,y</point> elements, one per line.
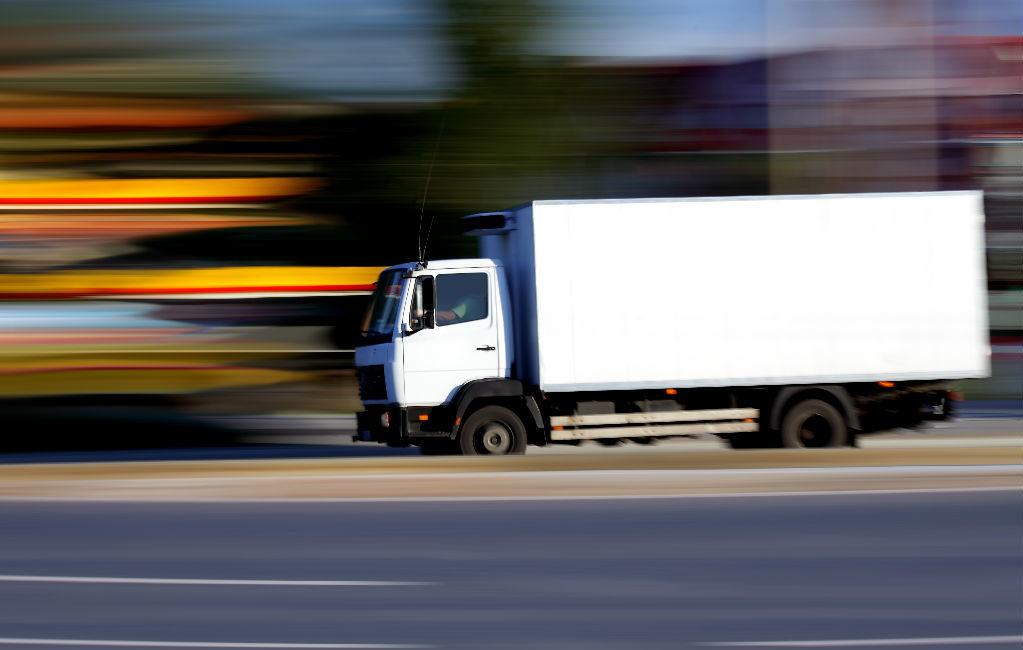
<point>153,190</point>
<point>80,380</point>
<point>114,224</point>
<point>248,279</point>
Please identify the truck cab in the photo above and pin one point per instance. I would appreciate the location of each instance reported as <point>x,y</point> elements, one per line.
<point>432,331</point>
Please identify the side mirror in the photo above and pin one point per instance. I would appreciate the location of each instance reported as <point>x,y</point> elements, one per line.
<point>421,314</point>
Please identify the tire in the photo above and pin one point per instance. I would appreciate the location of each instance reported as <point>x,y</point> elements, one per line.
<point>492,431</point>
<point>814,423</point>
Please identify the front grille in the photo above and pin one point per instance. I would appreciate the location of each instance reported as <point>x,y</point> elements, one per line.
<point>372,385</point>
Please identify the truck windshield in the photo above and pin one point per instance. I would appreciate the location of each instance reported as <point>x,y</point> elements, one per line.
<point>383,309</point>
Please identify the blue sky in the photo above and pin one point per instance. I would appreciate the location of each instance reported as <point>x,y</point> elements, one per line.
<point>660,28</point>
<point>728,28</point>
<point>396,45</point>
<point>395,48</point>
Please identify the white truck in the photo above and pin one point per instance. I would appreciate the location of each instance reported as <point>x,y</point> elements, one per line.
<point>795,321</point>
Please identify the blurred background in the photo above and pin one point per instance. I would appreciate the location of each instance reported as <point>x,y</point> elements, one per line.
<point>196,197</point>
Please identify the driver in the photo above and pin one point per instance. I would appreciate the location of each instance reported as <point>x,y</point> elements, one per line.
<point>467,306</point>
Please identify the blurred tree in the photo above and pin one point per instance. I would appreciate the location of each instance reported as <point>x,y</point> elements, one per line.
<point>522,123</point>
<point>518,126</point>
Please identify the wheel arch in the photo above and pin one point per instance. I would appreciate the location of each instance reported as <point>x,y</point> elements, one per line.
<point>509,393</point>
<point>835,395</point>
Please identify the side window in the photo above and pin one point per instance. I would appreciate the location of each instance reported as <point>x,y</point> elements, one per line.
<point>461,298</point>
<point>421,313</point>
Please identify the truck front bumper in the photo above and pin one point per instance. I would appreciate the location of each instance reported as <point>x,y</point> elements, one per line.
<point>378,424</point>
<point>398,426</point>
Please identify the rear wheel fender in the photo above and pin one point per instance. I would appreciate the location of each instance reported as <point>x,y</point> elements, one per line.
<point>788,396</point>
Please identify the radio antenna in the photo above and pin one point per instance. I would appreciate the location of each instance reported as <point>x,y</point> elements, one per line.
<point>420,244</point>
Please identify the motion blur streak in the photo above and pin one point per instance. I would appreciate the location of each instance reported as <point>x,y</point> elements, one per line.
<point>241,280</point>
<point>220,178</point>
<point>157,190</point>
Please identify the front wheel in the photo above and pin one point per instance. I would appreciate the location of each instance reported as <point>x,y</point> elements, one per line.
<point>814,423</point>
<point>492,431</point>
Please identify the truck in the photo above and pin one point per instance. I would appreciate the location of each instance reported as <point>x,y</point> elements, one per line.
<point>778,321</point>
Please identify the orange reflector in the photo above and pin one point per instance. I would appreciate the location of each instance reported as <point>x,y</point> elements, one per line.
<point>886,384</point>
<point>749,420</point>
<point>458,422</point>
<point>558,427</point>
<point>424,417</point>
<point>671,391</point>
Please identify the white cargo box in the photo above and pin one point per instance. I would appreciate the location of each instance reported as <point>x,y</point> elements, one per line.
<point>655,293</point>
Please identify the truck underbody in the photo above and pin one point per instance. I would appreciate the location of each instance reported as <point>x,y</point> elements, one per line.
<point>826,415</point>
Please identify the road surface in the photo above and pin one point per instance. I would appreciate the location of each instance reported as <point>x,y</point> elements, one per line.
<point>320,436</point>
<point>892,570</point>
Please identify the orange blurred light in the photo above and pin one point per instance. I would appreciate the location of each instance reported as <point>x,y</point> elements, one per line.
<point>671,391</point>
<point>269,280</point>
<point>886,384</point>
<point>111,224</point>
<point>132,191</point>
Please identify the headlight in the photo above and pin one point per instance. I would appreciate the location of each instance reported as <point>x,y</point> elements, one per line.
<point>385,419</point>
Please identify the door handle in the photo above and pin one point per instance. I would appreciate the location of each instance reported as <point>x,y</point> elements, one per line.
<point>486,348</point>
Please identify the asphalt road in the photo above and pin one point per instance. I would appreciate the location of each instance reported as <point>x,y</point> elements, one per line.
<point>926,568</point>
<point>318,436</point>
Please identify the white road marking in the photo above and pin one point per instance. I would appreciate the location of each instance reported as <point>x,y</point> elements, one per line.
<point>874,643</point>
<point>202,644</point>
<point>473,499</point>
<point>203,581</point>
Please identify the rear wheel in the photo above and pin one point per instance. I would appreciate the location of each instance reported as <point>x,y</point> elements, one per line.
<point>814,423</point>
<point>492,431</point>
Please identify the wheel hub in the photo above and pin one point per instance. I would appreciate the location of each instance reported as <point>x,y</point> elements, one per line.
<point>815,431</point>
<point>496,438</point>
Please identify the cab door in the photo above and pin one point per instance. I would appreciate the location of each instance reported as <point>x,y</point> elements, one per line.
<point>463,343</point>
